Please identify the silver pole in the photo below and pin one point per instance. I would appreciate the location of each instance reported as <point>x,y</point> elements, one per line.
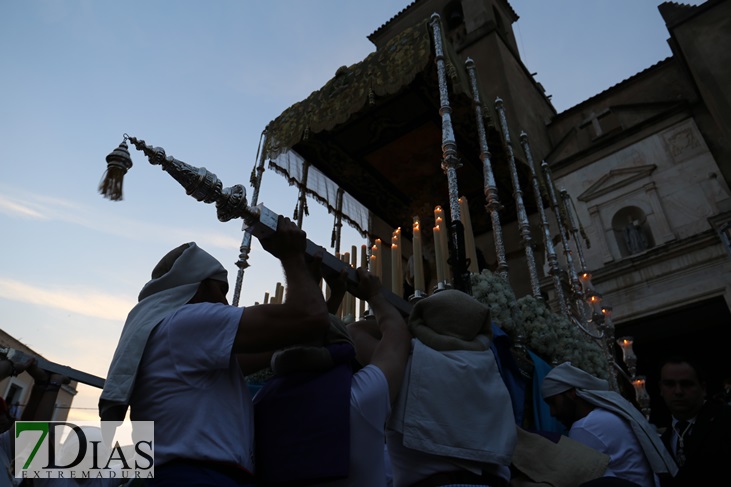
<point>259,220</point>
<point>523,223</point>
<point>548,241</point>
<point>490,187</point>
<point>450,164</point>
<point>245,248</point>
<point>574,227</point>
<point>576,291</point>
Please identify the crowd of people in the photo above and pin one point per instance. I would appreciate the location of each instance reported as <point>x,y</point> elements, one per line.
<point>418,401</point>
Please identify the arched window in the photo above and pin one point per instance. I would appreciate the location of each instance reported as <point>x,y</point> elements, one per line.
<point>631,230</point>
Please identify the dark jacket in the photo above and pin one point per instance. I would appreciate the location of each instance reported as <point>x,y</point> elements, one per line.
<point>707,448</point>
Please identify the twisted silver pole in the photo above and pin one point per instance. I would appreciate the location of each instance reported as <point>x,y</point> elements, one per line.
<point>565,198</point>
<point>245,247</point>
<point>523,223</point>
<point>450,164</point>
<point>576,292</point>
<point>490,187</point>
<point>552,258</point>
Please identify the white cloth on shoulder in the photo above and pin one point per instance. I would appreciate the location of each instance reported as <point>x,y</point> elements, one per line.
<point>454,403</point>
<point>158,298</point>
<point>596,391</point>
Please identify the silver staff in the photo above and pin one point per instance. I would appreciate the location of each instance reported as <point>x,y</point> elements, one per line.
<point>450,164</point>
<point>231,203</point>
<point>573,227</point>
<point>548,241</point>
<point>490,187</point>
<point>576,291</point>
<point>523,223</point>
<point>256,174</point>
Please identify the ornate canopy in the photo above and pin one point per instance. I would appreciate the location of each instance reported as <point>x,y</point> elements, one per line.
<point>375,130</point>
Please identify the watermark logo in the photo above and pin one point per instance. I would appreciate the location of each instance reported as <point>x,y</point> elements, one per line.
<point>84,449</point>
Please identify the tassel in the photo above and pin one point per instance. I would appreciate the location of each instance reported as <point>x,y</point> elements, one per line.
<point>111,184</point>
<point>332,238</point>
<point>296,210</point>
<point>307,210</point>
<point>451,71</point>
<point>118,163</point>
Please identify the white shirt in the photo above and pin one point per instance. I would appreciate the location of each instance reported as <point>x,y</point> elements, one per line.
<point>608,433</point>
<point>190,384</point>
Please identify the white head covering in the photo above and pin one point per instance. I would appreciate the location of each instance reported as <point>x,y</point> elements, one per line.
<point>168,290</point>
<point>596,391</point>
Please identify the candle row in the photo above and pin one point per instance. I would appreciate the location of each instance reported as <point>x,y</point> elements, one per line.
<point>374,262</point>
<point>440,234</point>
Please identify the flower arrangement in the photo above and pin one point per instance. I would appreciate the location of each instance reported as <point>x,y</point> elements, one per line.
<point>551,336</point>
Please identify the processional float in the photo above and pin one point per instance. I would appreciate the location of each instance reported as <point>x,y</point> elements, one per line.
<point>580,304</point>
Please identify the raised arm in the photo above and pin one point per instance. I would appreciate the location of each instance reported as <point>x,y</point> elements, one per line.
<point>384,341</point>
<point>302,317</point>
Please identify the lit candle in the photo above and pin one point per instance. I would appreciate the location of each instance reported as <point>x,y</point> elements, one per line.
<point>628,354</point>
<point>469,236</point>
<point>438,213</point>
<point>418,262</point>
<point>438,255</point>
<point>396,271</point>
<point>266,298</point>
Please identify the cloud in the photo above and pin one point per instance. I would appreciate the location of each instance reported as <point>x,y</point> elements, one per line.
<point>30,205</point>
<point>84,301</point>
<point>14,208</point>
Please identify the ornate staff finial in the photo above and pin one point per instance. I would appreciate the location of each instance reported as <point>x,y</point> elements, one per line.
<point>118,163</point>
<point>260,221</point>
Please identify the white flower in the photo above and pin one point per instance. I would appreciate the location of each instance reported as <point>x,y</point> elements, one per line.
<point>551,336</point>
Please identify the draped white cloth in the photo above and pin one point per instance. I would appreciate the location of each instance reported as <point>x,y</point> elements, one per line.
<point>291,165</point>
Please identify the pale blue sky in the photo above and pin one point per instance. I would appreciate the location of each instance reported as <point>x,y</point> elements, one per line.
<point>201,79</point>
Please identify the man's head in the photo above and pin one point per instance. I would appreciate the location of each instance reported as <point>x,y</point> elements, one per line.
<point>562,387</point>
<point>682,387</point>
<point>566,407</point>
<point>191,267</point>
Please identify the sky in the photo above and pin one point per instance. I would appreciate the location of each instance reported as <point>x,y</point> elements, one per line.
<point>202,80</point>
